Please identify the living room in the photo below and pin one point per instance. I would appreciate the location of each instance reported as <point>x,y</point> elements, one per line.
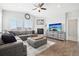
<point>39,29</point>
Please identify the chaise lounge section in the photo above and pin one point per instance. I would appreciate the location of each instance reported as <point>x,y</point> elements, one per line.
<point>13,49</point>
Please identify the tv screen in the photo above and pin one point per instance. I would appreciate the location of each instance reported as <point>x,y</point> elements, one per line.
<point>55,27</point>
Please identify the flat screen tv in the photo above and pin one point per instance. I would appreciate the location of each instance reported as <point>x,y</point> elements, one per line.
<point>55,27</point>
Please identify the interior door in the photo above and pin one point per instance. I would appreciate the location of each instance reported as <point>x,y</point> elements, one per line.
<point>72,29</point>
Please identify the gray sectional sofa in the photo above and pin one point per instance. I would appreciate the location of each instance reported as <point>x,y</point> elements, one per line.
<point>22,34</point>
<point>13,49</point>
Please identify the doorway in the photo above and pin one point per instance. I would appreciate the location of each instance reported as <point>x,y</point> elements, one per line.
<point>72,29</point>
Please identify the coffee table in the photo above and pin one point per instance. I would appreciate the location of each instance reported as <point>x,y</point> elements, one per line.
<point>37,41</point>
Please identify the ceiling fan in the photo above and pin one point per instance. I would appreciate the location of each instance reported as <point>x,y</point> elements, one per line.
<point>39,7</point>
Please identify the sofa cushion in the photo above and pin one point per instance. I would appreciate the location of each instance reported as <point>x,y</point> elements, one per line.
<point>16,33</point>
<point>8,38</point>
<point>12,32</point>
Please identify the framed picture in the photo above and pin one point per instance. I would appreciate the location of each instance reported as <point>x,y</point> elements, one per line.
<point>40,21</point>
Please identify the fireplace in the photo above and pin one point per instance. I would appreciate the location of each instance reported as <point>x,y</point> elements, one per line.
<point>40,31</point>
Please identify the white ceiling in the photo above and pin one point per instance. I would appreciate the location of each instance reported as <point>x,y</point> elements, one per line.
<point>52,8</point>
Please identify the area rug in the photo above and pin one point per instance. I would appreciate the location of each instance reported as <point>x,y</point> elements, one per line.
<point>34,51</point>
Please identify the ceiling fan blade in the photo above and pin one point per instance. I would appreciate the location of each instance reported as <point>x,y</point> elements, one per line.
<point>43,8</point>
<point>41,4</point>
<point>34,8</point>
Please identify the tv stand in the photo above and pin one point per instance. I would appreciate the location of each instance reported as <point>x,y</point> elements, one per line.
<point>56,35</point>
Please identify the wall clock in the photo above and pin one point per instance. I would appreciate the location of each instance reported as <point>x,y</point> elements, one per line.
<point>27,16</point>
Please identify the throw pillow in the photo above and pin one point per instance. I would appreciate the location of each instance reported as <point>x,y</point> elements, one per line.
<point>8,38</point>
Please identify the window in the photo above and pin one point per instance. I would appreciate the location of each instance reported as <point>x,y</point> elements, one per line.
<point>13,24</point>
<point>28,24</point>
<point>19,24</point>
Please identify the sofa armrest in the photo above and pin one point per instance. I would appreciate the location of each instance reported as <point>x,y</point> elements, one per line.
<point>12,49</point>
<point>25,50</point>
<point>10,44</point>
